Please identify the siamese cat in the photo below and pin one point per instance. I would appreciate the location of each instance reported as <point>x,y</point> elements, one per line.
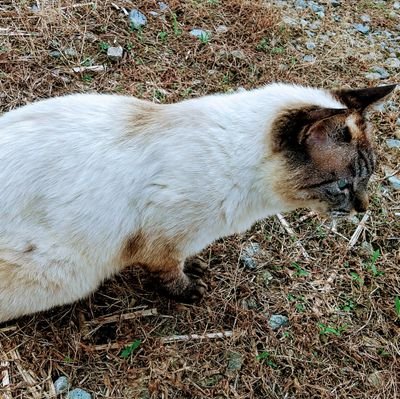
<point>91,184</point>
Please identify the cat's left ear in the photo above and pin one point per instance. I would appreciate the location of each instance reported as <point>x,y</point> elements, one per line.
<point>360,99</point>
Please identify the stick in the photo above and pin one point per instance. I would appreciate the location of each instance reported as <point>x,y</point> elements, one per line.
<point>7,329</point>
<point>359,230</point>
<point>127,316</point>
<point>5,381</point>
<point>176,338</point>
<point>78,5</point>
<point>290,231</point>
<point>93,68</point>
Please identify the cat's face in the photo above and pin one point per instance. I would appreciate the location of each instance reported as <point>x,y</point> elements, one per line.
<point>328,153</point>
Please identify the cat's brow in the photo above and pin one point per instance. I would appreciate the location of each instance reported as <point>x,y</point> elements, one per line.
<point>319,184</point>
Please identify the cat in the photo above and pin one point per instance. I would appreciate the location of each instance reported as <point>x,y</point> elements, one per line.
<point>93,183</point>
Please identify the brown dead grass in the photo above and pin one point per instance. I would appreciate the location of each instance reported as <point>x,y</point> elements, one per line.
<point>164,64</point>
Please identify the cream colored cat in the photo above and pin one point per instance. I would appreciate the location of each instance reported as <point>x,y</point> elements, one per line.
<point>91,184</point>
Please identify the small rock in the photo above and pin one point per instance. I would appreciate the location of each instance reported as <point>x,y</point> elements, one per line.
<point>267,277</point>
<point>200,34</point>
<point>235,361</point>
<point>137,19</point>
<point>115,53</point>
<point>393,143</point>
<point>393,63</point>
<point>239,54</point>
<point>308,58</point>
<point>35,8</point>
<point>395,182</point>
<point>337,18</point>
<point>396,5</point>
<point>70,52</point>
<point>317,8</point>
<point>79,393</point>
<point>154,13</point>
<point>221,29</point>
<point>398,122</point>
<point>377,72</point>
<point>246,258</point>
<point>55,54</point>
<point>315,25</point>
<point>61,384</point>
<point>301,4</point>
<point>250,304</point>
<point>373,76</point>
<point>365,18</point>
<point>289,21</point>
<point>361,28</point>
<point>336,3</point>
<point>375,379</point>
<point>163,6</point>
<point>277,320</point>
<point>310,45</point>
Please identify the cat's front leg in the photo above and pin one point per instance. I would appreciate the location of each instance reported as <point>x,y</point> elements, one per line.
<point>185,281</point>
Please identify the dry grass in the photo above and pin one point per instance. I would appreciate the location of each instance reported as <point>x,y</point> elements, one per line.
<point>335,287</point>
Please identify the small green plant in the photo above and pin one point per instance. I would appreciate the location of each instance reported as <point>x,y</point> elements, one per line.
<point>397,306</point>
<point>162,36</point>
<point>263,44</point>
<point>300,272</point>
<point>87,78</point>
<point>325,329</point>
<point>128,350</point>
<point>371,265</point>
<point>299,302</point>
<point>265,357</point>
<point>357,278</point>
<point>176,25</point>
<point>277,50</point>
<point>205,38</point>
<point>348,306</point>
<point>103,46</point>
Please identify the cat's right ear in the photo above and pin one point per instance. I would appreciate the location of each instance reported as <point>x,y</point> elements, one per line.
<point>360,99</point>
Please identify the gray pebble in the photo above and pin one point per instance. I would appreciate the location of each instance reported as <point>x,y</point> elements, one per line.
<point>393,62</point>
<point>315,25</point>
<point>365,18</point>
<point>393,143</point>
<point>115,53</point>
<point>373,76</point>
<point>308,58</point>
<point>395,182</point>
<point>396,5</point>
<point>55,54</point>
<point>79,393</point>
<point>246,258</point>
<point>336,3</point>
<point>221,29</point>
<point>277,320</point>
<point>310,45</point>
<point>361,28</point>
<point>235,361</point>
<point>200,34</point>
<point>382,71</point>
<point>61,384</point>
<point>163,6</point>
<point>301,4</point>
<point>398,122</point>
<point>70,52</point>
<point>137,19</point>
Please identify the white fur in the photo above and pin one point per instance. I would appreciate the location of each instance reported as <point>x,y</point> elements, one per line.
<point>75,183</point>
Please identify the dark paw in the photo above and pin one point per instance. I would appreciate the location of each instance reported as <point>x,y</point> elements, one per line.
<point>195,291</point>
<point>195,267</point>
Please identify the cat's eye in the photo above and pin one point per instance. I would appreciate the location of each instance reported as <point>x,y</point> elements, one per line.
<point>342,184</point>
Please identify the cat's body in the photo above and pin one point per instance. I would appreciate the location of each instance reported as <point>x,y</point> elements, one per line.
<point>91,184</point>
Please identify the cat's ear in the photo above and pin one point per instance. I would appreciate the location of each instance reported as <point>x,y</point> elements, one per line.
<point>360,99</point>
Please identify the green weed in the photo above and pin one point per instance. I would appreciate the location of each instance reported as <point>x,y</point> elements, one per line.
<point>130,348</point>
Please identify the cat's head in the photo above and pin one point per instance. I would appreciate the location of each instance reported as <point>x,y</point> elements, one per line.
<point>327,153</point>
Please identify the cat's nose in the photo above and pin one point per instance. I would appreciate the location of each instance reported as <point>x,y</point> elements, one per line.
<point>361,203</point>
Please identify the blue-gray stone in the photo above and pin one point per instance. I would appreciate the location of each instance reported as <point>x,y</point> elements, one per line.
<point>308,58</point>
<point>361,28</point>
<point>365,18</point>
<point>393,143</point>
<point>199,33</point>
<point>395,182</point>
<point>137,19</point>
<point>310,45</point>
<point>336,3</point>
<point>246,258</point>
<point>381,71</point>
<point>277,320</point>
<point>61,384</point>
<point>393,62</point>
<point>79,393</point>
<point>302,4</point>
<point>163,6</point>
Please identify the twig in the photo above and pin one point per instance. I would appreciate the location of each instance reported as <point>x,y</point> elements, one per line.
<point>104,347</point>
<point>176,338</point>
<point>7,329</point>
<point>359,230</point>
<point>5,380</point>
<point>93,68</point>
<point>290,231</point>
<point>92,3</point>
<point>120,317</point>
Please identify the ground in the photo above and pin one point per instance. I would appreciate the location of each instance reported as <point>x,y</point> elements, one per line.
<point>341,339</point>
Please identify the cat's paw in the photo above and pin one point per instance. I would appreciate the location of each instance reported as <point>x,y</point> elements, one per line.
<point>194,291</point>
<point>195,267</point>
